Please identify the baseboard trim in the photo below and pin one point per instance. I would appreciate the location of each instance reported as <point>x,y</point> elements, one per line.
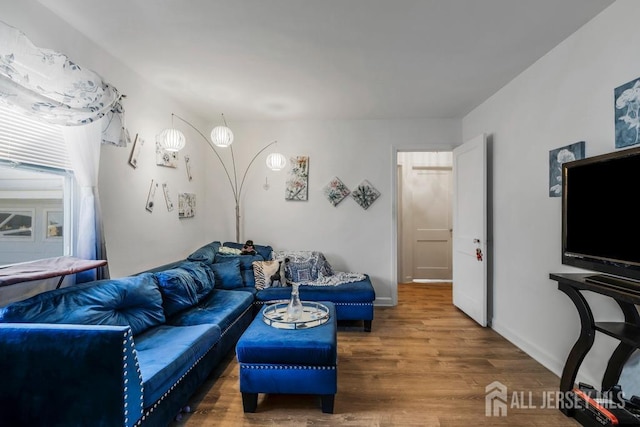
<point>543,357</point>
<point>383,302</point>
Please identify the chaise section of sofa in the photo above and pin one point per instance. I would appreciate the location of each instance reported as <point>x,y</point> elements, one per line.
<point>353,299</point>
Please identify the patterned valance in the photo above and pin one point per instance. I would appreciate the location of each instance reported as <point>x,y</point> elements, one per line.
<point>50,86</point>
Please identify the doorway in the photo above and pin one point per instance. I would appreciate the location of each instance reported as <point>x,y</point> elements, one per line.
<point>424,190</point>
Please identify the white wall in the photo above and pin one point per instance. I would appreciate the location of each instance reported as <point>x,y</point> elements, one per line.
<point>353,239</point>
<point>565,97</point>
<point>136,239</point>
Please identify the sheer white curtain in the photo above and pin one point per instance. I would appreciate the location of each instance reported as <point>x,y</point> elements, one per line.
<point>83,144</point>
<point>51,87</point>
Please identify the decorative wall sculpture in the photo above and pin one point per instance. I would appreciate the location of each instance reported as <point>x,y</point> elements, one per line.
<point>135,151</point>
<point>167,198</point>
<point>151,196</point>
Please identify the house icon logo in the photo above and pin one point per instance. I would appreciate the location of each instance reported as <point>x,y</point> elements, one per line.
<point>495,401</point>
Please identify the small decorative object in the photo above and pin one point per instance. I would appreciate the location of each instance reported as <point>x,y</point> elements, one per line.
<point>557,157</point>
<point>152,194</point>
<point>297,185</point>
<point>365,194</point>
<point>165,189</point>
<point>294,309</point>
<point>627,108</point>
<point>135,151</point>
<point>335,191</point>
<point>186,205</point>
<point>187,163</point>
<point>164,157</point>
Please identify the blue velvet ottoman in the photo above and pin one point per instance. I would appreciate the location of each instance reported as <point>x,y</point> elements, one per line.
<point>288,361</point>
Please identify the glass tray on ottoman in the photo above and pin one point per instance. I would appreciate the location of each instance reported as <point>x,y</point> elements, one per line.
<point>313,314</point>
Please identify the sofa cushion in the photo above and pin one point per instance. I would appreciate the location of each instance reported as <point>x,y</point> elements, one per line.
<point>135,301</point>
<point>354,292</point>
<point>248,279</point>
<point>184,286</point>
<point>206,253</point>
<point>263,250</point>
<point>246,261</point>
<point>222,307</point>
<point>166,353</point>
<point>227,274</point>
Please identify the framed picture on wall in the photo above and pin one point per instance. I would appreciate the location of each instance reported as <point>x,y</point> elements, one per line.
<point>557,157</point>
<point>627,107</point>
<point>297,187</point>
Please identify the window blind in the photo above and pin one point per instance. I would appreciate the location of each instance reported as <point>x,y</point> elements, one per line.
<point>26,140</point>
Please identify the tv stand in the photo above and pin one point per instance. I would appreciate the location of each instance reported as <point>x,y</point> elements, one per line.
<point>627,332</point>
<point>617,282</point>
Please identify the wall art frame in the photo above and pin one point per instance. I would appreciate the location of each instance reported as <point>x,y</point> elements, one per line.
<point>557,157</point>
<point>297,187</point>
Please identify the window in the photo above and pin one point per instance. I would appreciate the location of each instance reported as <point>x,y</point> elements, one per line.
<point>36,190</point>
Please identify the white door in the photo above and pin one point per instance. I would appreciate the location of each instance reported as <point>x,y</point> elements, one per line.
<point>431,214</point>
<point>470,229</point>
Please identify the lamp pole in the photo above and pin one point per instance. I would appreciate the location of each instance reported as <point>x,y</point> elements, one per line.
<point>233,183</point>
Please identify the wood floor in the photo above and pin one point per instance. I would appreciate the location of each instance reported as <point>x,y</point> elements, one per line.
<point>424,364</point>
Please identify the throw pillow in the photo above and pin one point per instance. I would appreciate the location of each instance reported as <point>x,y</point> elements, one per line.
<point>229,251</point>
<point>300,271</point>
<point>227,274</point>
<point>184,286</point>
<point>262,272</point>
<point>206,253</point>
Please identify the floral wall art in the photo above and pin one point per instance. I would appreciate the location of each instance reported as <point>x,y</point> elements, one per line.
<point>557,157</point>
<point>365,194</point>
<point>335,191</point>
<point>627,107</point>
<point>297,187</point>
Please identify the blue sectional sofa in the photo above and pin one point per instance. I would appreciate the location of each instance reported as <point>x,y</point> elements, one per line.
<point>131,351</point>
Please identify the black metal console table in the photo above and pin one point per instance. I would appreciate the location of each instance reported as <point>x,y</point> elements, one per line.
<point>627,332</point>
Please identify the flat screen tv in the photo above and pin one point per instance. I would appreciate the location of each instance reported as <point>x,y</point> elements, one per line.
<point>601,217</point>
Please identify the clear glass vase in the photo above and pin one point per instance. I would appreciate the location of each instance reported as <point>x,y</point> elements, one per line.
<point>294,309</point>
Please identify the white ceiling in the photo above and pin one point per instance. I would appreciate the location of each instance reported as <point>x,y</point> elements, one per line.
<point>328,59</point>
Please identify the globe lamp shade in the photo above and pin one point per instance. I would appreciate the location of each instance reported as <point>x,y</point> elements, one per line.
<point>172,140</point>
<point>276,161</point>
<point>221,136</point>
